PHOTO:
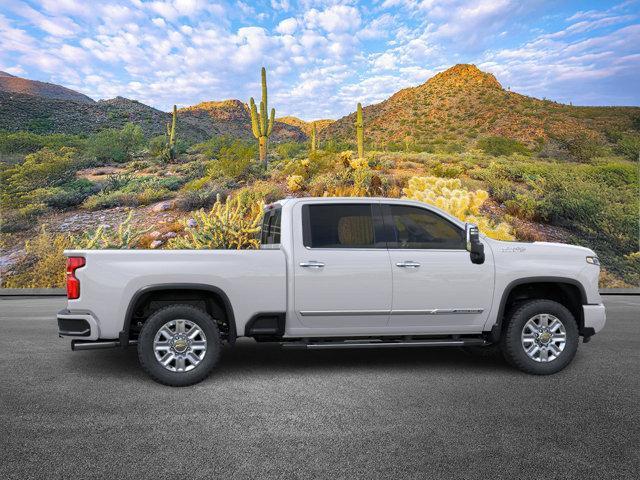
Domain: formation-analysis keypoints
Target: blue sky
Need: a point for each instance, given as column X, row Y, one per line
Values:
column 321, row 56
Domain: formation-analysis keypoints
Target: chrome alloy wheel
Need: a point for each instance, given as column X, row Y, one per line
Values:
column 543, row 337
column 180, row 345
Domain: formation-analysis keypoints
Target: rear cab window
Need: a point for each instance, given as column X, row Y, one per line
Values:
column 342, row 225
column 270, row 229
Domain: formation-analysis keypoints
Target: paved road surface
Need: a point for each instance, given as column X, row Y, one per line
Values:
column 271, row 413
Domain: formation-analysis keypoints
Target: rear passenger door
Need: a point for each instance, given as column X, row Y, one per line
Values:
column 342, row 270
column 436, row 288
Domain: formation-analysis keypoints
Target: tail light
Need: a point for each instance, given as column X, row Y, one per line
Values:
column 73, row 284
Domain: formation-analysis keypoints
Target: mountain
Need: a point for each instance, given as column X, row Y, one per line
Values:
column 232, row 117
column 16, row 85
column 464, row 103
column 305, row 126
column 48, row 108
column 19, row 111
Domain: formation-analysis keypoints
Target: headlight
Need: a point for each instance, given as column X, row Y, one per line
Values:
column 593, row 260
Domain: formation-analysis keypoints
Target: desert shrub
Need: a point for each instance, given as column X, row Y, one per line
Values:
column 228, row 225
column 116, row 145
column 125, row 236
column 27, row 142
column 68, row 195
column 523, row 206
column 289, row 150
column 450, row 196
column 262, row 192
column 43, row 169
column 447, row 170
column 23, row 218
column 581, row 146
column 629, row 146
column 190, row 200
column 44, row 263
column 498, row 146
column 123, row 198
column 295, row 183
column 110, row 200
column 157, row 145
column 211, row 148
column 233, row 159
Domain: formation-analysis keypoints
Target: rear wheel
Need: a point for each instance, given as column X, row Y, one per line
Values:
column 541, row 337
column 179, row 345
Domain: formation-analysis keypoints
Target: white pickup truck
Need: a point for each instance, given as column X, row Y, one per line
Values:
column 338, row 273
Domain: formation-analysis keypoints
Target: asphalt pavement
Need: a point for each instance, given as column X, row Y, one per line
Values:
column 273, row 413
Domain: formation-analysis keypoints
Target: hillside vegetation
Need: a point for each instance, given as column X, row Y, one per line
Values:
column 564, row 174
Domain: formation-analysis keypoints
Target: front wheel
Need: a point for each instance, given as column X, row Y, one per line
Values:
column 179, row 345
column 541, row 337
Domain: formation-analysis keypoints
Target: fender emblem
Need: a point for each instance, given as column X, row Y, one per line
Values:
column 513, row 249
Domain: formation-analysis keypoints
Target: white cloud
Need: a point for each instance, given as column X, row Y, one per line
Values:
column 56, row 26
column 287, row 26
column 159, row 22
column 335, row 19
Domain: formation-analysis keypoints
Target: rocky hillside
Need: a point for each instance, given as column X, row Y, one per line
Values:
column 305, row 126
column 20, row 111
column 16, row 85
column 464, row 103
column 232, row 117
column 46, row 108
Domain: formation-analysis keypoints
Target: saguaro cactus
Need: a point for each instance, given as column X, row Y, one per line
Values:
column 260, row 124
column 360, row 132
column 314, row 137
column 171, row 136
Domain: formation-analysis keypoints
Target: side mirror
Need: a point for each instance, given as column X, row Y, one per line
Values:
column 474, row 245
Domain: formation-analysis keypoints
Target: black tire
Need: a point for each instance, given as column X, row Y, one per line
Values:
column 155, row 322
column 511, row 341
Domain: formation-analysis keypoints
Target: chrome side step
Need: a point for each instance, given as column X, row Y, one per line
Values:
column 386, row 344
column 89, row 345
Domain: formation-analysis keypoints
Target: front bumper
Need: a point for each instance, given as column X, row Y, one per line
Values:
column 594, row 318
column 81, row 325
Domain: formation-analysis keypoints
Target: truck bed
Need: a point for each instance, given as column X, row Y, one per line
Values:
column 254, row 280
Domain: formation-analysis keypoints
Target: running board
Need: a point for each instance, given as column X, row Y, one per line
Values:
column 89, row 345
column 468, row 342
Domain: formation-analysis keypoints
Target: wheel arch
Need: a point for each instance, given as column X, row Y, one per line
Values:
column 567, row 291
column 201, row 291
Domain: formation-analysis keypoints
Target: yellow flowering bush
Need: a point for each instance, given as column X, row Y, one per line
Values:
column 295, row 183
column 449, row 195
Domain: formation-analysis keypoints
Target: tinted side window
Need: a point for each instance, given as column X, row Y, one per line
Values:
column 414, row 227
column 338, row 226
column 270, row 232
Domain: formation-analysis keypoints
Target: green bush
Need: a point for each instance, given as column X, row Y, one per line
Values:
column 234, row 159
column 581, row 146
column 28, row 142
column 498, row 146
column 43, row 169
column 629, row 146
column 121, row 198
column 67, row 195
column 289, row 150
column 116, row 145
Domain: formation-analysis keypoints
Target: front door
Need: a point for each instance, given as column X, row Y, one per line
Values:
column 342, row 271
column 436, row 288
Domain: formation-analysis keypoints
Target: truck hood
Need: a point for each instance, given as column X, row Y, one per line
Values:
column 543, row 248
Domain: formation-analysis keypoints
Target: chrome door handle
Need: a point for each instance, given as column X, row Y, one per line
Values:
column 312, row 264
column 408, row 264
